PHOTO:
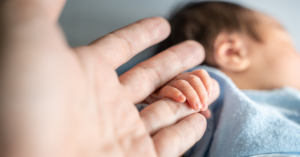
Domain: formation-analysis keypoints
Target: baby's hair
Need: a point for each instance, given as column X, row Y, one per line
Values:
column 204, row 21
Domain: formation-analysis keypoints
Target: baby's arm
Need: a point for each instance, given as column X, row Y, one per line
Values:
column 194, row 87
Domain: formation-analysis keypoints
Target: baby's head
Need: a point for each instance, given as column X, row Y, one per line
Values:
column 251, row 48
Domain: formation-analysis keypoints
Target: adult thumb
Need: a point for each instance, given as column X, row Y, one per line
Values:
column 29, row 9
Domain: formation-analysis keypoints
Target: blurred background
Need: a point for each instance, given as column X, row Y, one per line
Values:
column 83, row 21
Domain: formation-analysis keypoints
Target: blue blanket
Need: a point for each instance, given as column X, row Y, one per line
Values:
column 250, row 122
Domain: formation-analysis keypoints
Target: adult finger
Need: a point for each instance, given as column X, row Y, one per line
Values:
column 176, row 139
column 54, row 8
column 146, row 77
column 121, row 45
column 163, row 113
column 206, row 113
column 166, row 112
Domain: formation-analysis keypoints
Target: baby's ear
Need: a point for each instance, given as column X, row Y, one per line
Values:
column 231, row 52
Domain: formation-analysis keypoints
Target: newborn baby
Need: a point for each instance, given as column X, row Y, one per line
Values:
column 249, row 47
column 253, row 51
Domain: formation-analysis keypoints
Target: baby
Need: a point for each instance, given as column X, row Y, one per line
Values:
column 253, row 59
column 249, row 47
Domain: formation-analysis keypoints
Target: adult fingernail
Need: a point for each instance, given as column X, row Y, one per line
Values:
column 209, row 95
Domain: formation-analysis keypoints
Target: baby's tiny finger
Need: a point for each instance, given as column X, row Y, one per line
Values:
column 198, row 86
column 205, row 78
column 172, row 92
column 189, row 92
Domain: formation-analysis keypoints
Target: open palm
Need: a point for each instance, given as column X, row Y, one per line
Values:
column 59, row 101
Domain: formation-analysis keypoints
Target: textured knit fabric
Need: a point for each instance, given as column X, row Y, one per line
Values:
column 250, row 122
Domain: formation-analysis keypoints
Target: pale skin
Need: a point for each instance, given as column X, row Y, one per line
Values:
column 195, row 88
column 61, row 101
column 69, row 109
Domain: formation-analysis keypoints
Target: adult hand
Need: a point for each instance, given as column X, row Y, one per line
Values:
column 59, row 101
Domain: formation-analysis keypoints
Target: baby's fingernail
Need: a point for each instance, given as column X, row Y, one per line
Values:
column 198, row 106
column 204, row 105
column 209, row 95
column 181, row 97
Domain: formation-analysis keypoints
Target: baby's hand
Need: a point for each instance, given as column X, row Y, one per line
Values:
column 194, row 87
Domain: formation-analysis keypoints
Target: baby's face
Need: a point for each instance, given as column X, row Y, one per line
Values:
column 275, row 59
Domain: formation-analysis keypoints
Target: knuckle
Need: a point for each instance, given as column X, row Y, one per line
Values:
column 121, row 40
column 192, row 98
column 203, row 94
column 181, row 83
column 153, row 74
column 191, row 95
column 193, row 78
column 169, row 90
column 201, row 72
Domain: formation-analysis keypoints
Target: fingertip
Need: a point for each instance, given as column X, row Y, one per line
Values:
column 209, row 94
column 173, row 93
column 195, row 105
column 204, row 101
column 198, row 106
column 205, row 106
column 181, row 98
column 190, row 53
column 158, row 27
